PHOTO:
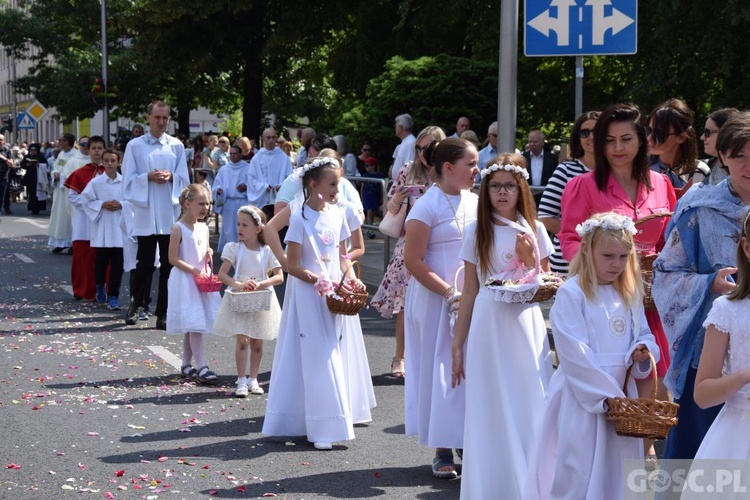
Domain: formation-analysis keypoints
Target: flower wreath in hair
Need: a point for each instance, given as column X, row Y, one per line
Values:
column 508, row 168
column 318, row 162
column 252, row 213
column 609, row 222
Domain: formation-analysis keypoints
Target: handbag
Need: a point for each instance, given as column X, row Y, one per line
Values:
column 210, row 284
column 393, row 225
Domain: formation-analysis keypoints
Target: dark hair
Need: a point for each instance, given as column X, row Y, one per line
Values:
column 322, row 141
column 675, row 114
column 111, row 151
column 734, row 135
column 742, row 289
column 576, row 150
column 97, row 138
column 446, row 151
column 721, row 116
column 315, row 174
column 614, row 114
column 239, row 149
column 69, row 138
column 198, row 143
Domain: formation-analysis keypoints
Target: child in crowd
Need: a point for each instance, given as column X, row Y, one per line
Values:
column 600, row 329
column 103, row 199
column 255, row 268
column 504, row 242
column 310, row 395
column 371, row 193
column 190, row 312
column 82, row 269
column 724, row 369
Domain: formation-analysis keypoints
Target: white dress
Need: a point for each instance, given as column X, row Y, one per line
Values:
column 253, row 264
column 353, row 351
column 728, row 438
column 578, row 455
column 435, row 411
column 309, row 394
column 188, row 309
column 508, row 368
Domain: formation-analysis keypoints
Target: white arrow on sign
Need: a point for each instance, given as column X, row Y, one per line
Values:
column 617, row 21
column 544, row 23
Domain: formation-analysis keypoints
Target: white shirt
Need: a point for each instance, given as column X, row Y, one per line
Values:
column 267, row 168
column 81, row 223
column 537, row 165
column 155, row 206
column 404, row 153
column 106, row 230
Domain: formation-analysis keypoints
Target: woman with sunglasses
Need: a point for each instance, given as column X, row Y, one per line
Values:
column 623, row 183
column 714, row 122
column 582, row 152
column 673, row 146
column 695, row 267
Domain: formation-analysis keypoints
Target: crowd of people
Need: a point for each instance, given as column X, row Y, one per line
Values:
column 477, row 228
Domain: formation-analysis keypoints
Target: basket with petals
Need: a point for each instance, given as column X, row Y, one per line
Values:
column 348, row 304
column 642, row 417
column 250, row 301
column 647, row 265
column 210, row 283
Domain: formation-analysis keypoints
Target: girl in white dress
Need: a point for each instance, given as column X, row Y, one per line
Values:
column 255, row 268
column 724, row 374
column 434, row 228
column 600, row 329
column 507, row 368
column 189, row 312
column 310, row 395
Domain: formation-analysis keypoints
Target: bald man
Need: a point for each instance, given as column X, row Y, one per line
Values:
column 268, row 169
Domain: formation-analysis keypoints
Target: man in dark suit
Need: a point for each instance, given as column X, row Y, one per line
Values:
column 540, row 163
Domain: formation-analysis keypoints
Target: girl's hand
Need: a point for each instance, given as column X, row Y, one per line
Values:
column 525, row 248
column 457, row 372
column 204, row 275
column 720, row 284
column 640, row 354
column 250, row 285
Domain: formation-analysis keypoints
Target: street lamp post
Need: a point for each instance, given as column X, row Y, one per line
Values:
column 105, row 84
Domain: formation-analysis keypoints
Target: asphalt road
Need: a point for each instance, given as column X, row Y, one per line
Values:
column 90, row 405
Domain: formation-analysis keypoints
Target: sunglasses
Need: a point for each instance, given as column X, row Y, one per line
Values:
column 585, row 132
column 366, row 150
column 707, row 132
column 650, row 132
column 83, row 144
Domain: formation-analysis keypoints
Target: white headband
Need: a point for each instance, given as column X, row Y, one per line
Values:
column 609, row 222
column 318, row 162
column 252, row 213
column 508, row 168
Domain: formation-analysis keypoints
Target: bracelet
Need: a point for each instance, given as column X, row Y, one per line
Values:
column 449, row 292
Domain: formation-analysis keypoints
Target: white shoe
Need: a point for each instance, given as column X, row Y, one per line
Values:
column 241, row 391
column 255, row 388
column 320, row 445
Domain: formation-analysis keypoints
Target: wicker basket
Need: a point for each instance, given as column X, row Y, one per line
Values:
column 247, row 302
column 546, row 290
column 642, row 417
column 349, row 304
column 647, row 265
column 210, row 284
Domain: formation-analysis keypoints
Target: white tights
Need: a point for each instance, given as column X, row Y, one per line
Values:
column 192, row 346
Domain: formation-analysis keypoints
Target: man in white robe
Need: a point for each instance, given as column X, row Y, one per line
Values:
column 154, row 172
column 230, row 186
column 268, row 169
column 60, row 230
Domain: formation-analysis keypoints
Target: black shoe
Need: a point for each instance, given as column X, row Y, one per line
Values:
column 161, row 323
column 131, row 318
column 8, row 212
column 57, row 250
column 77, row 297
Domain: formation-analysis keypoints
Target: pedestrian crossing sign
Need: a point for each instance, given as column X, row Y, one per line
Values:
column 25, row 122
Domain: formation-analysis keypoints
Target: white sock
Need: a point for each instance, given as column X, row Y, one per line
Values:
column 241, row 380
column 251, row 381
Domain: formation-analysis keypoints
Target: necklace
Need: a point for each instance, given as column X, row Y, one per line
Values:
column 455, row 212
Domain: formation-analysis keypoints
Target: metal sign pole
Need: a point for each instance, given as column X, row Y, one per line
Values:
column 507, row 76
column 579, row 87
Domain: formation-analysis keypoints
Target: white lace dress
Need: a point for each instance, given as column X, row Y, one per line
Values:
column 188, row 309
column 728, row 438
column 249, row 264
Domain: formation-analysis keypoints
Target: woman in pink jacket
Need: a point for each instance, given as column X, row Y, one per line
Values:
column 623, row 183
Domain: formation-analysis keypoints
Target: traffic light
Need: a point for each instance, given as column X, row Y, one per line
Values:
column 7, row 123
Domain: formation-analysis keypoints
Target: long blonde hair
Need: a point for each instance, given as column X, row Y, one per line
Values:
column 628, row 284
column 189, row 194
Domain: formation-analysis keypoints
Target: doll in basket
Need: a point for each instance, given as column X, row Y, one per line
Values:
column 600, row 329
column 256, row 269
column 500, row 414
column 190, row 312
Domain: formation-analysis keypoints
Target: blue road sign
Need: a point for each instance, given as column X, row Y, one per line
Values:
column 580, row 27
column 26, row 122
